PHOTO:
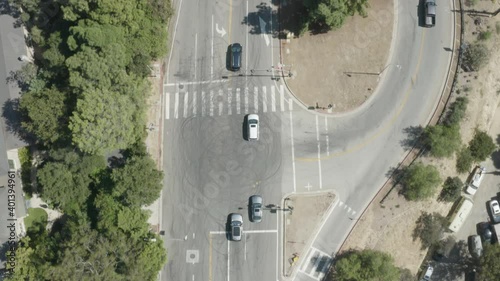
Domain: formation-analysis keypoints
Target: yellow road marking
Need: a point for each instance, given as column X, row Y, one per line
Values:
column 384, row 129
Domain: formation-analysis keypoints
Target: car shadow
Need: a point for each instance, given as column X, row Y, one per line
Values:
column 244, row 126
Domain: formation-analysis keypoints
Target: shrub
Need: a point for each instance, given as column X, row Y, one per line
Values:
column 452, row 188
column 476, row 56
column 457, row 111
column 25, row 159
column 484, row 35
column 429, row 228
column 442, row 140
column 464, row 160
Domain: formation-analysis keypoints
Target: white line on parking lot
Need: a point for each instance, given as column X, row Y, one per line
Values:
column 228, row 260
column 261, row 231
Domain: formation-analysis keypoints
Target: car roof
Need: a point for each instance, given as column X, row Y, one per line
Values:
column 256, row 199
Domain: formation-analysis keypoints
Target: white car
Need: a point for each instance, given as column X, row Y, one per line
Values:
column 253, row 127
column 428, row 274
column 495, row 208
column 236, row 226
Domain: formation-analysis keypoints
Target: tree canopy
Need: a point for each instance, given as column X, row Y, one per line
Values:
column 442, row 140
column 366, row 265
column 420, row 181
column 481, row 146
column 490, row 267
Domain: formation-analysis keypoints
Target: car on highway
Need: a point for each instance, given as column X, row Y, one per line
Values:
column 236, row 225
column 495, row 210
column 253, row 127
column 256, row 208
column 236, row 50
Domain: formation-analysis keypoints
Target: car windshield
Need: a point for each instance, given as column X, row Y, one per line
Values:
column 236, row 49
column 253, row 121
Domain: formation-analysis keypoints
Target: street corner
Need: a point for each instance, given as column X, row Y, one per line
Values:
column 304, row 219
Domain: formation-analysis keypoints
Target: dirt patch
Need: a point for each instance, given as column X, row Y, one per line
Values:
column 308, row 212
column 389, row 227
column 340, row 69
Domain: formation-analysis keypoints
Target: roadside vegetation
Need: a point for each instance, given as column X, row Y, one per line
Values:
column 420, row 181
column 489, row 265
column 319, row 16
column 430, row 229
column 84, row 99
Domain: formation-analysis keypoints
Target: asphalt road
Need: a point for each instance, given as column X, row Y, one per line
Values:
column 211, row 171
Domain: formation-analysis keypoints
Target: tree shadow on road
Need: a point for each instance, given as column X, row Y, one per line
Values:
column 413, row 137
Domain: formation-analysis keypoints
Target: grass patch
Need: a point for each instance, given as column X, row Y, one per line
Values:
column 25, row 159
column 484, row 35
column 37, row 218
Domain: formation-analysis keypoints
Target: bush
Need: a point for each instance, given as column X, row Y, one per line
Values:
column 25, row 159
column 457, row 111
column 452, row 189
column 476, row 56
column 420, row 181
column 429, row 228
column 481, row 146
column 441, row 140
column 464, row 160
column 484, row 35
column 366, row 265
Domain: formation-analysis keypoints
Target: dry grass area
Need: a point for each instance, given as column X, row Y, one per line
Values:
column 389, row 228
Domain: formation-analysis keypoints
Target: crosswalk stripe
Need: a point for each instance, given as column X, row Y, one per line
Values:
column 176, row 106
column 238, row 107
column 282, row 98
column 167, row 105
column 256, row 99
column 290, row 104
column 220, row 98
column 273, row 99
column 264, row 99
column 246, row 100
column 203, row 103
column 211, row 103
column 194, row 103
column 186, row 105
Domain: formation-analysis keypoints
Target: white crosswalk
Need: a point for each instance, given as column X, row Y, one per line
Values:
column 316, row 264
column 231, row 101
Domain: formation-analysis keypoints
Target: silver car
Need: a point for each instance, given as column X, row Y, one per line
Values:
column 236, row 226
column 256, row 208
column 253, row 127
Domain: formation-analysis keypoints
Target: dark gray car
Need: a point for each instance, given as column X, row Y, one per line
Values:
column 236, row 51
column 256, row 208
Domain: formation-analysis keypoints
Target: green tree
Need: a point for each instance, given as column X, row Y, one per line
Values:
column 429, row 228
column 366, row 265
column 45, row 114
column 420, row 181
column 464, row 160
column 452, row 189
column 103, row 122
column 24, row 265
column 490, row 267
column 442, row 140
column 481, row 146
column 138, row 182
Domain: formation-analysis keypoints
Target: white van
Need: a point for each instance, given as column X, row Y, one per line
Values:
column 476, row 180
column 253, row 127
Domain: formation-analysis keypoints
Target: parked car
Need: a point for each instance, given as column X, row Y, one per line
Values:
column 495, row 210
column 256, row 208
column 236, row 225
column 477, row 178
column 428, row 274
column 484, row 230
column 475, row 246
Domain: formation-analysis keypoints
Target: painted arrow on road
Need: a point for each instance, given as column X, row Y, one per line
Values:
column 221, row 31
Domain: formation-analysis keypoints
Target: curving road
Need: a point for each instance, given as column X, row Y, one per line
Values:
column 211, row 171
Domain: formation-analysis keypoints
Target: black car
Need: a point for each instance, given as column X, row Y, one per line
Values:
column 235, row 56
column 484, row 230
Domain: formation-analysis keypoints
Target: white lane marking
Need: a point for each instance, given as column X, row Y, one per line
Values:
column 245, row 246
column 194, row 235
column 173, row 40
column 246, row 100
column 282, row 98
column 203, row 103
column 327, row 138
column 319, row 153
column 194, row 103
column 264, row 99
column 221, row 105
column 167, row 105
column 195, row 52
column 290, row 104
column 246, row 43
column 228, row 260
column 273, row 99
column 256, row 99
column 238, row 106
column 195, row 82
column 261, row 231
column 176, row 105
column 212, row 52
column 186, row 105
column 218, row 232
column 211, row 103
column 293, row 153
column 229, row 100
column 308, row 258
